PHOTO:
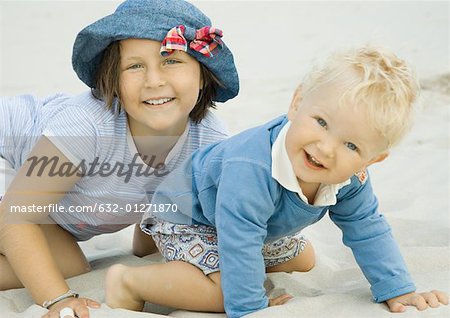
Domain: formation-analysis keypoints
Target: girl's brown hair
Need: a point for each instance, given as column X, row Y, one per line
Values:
column 107, row 83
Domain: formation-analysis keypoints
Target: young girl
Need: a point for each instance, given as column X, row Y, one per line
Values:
column 85, row 165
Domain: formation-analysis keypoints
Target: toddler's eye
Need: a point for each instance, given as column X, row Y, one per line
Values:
column 351, row 146
column 322, row 122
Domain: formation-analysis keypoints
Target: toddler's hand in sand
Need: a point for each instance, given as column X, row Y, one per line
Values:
column 420, row 300
column 79, row 306
column 280, row 300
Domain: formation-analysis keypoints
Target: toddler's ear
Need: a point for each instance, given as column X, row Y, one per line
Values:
column 379, row 158
column 296, row 99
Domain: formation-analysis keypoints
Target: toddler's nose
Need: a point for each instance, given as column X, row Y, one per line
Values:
column 327, row 147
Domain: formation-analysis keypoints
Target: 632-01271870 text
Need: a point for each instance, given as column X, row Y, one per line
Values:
column 140, row 208
column 97, row 207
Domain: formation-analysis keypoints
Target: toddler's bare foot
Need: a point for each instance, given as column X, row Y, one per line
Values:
column 118, row 292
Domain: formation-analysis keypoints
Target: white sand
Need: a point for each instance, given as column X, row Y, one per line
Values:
column 274, row 43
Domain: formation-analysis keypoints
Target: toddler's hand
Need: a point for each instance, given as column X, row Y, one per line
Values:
column 420, row 300
column 280, row 300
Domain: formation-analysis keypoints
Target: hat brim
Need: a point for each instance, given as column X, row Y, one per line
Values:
column 92, row 41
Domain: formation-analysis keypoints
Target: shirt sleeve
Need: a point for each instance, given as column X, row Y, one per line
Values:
column 243, row 206
column 369, row 236
column 73, row 131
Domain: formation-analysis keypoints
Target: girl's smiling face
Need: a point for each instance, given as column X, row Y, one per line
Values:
column 328, row 142
column 157, row 92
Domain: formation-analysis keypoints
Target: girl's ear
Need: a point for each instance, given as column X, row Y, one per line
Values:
column 296, row 99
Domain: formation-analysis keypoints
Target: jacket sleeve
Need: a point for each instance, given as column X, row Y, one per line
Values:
column 369, row 236
column 243, row 207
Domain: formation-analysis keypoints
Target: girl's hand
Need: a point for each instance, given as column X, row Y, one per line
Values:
column 280, row 300
column 420, row 300
column 79, row 306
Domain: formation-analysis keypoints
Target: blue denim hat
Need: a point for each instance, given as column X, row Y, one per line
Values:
column 151, row 19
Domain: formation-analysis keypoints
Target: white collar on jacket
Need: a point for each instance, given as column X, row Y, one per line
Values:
column 283, row 172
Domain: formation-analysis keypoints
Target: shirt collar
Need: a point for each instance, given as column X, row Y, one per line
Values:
column 283, row 172
column 176, row 149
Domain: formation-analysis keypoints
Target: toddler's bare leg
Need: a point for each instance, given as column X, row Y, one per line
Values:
column 174, row 284
column 303, row 262
column 66, row 251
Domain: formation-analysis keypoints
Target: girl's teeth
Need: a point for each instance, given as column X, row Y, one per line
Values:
column 158, row 101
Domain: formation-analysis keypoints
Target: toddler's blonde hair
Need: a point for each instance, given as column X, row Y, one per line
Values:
column 385, row 86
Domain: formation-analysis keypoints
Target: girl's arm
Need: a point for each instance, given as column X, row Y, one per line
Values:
column 22, row 240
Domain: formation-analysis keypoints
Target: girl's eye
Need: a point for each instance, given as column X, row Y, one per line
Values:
column 170, row 62
column 351, row 146
column 322, row 122
column 135, row 66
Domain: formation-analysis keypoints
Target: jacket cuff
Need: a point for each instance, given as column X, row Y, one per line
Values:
column 240, row 313
column 393, row 287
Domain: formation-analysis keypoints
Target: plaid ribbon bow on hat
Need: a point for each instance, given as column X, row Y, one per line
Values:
column 206, row 40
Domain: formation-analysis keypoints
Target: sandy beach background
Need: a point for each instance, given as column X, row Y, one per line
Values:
column 274, row 44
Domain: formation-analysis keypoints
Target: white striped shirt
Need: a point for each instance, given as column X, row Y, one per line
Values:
column 85, row 131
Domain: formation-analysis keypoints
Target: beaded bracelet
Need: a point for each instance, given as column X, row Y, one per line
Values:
column 68, row 294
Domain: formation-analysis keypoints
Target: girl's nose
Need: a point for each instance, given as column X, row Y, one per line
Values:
column 154, row 78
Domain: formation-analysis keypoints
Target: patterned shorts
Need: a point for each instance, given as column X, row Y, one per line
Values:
column 197, row 245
